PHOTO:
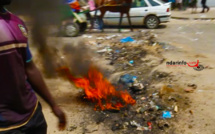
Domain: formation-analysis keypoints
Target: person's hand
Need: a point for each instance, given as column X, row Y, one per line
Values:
column 61, row 117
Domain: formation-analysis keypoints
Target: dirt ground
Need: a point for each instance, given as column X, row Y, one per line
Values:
column 201, row 121
column 197, row 119
column 194, row 40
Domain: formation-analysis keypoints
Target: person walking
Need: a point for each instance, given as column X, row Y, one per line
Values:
column 193, row 5
column 88, row 6
column 179, row 4
column 20, row 110
column 185, row 4
column 204, row 6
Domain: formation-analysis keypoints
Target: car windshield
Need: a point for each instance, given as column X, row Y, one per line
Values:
column 154, row 3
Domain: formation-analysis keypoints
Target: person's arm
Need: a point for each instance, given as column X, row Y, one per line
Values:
column 39, row 86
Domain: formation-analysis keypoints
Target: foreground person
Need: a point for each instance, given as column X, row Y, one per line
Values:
column 20, row 111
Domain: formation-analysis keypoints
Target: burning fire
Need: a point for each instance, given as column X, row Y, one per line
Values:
column 99, row 90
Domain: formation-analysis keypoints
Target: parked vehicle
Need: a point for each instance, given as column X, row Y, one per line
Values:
column 143, row 12
column 73, row 23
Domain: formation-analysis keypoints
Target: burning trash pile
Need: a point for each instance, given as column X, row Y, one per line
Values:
column 131, row 102
column 98, row 89
column 152, row 109
column 153, row 112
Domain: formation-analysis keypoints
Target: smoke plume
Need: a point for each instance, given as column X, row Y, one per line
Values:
column 42, row 14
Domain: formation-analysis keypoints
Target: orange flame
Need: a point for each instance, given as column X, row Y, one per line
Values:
column 99, row 90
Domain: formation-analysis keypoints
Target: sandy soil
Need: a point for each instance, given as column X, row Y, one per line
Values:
column 202, row 119
column 195, row 41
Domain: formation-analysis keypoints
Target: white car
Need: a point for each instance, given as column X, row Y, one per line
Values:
column 143, row 12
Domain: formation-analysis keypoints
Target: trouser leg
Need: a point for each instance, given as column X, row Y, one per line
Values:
column 203, row 5
column 36, row 125
column 91, row 19
column 12, row 132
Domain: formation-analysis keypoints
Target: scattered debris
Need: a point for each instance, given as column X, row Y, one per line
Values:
column 131, row 62
column 189, row 90
column 167, row 114
column 134, row 124
column 133, row 59
column 107, row 49
column 127, row 79
column 143, row 98
column 72, row 128
column 149, row 125
column 127, row 39
column 191, row 112
column 142, row 128
column 194, row 86
column 176, row 108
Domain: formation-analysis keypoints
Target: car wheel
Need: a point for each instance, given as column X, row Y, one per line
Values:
column 71, row 30
column 152, row 22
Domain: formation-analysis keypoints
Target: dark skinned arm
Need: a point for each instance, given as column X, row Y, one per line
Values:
column 39, row 86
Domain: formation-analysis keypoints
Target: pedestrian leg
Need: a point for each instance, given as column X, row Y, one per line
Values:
column 203, row 6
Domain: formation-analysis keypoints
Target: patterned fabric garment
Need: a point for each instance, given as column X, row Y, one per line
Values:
column 17, row 99
column 74, row 4
column 91, row 3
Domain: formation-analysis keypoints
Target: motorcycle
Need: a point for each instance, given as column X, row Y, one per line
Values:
column 73, row 23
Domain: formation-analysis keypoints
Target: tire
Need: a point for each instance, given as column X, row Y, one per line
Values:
column 71, row 30
column 83, row 27
column 98, row 23
column 152, row 22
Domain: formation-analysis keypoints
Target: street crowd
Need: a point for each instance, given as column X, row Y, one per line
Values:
column 184, row 4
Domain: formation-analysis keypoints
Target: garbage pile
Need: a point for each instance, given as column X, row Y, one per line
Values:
column 126, row 53
column 153, row 112
column 134, row 57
